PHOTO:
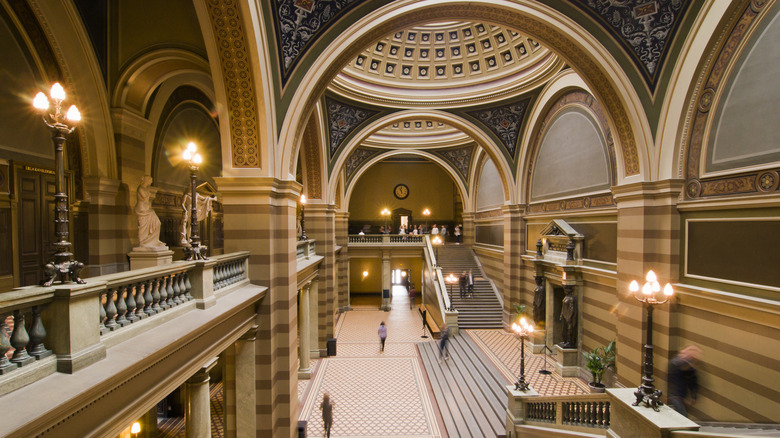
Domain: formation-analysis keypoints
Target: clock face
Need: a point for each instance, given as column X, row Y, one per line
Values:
column 401, row 191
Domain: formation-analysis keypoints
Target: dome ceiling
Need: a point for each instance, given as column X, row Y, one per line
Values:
column 446, row 64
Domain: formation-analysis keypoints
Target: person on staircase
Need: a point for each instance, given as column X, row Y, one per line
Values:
column 471, row 283
column 463, row 284
column 444, row 337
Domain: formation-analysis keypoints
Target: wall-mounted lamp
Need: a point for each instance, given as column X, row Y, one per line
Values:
column 365, row 274
column 303, row 228
column 135, row 429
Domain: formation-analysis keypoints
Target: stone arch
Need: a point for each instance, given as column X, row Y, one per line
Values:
column 479, row 136
column 587, row 55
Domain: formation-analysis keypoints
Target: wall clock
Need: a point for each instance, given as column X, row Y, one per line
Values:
column 401, row 191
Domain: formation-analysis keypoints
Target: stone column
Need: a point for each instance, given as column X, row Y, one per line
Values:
column 304, row 367
column 260, row 214
column 320, row 226
column 108, row 222
column 469, row 230
column 648, row 238
column 342, row 260
column 387, row 281
column 239, row 386
column 515, row 289
column 197, row 406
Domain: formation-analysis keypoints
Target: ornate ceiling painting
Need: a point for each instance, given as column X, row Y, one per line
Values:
column 505, row 122
column 298, row 24
column 356, row 160
column 644, row 28
column 343, row 119
column 459, row 159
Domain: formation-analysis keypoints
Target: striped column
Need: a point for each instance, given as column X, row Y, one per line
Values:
column 648, row 237
column 239, row 386
column 109, row 235
column 342, row 260
column 514, row 244
column 259, row 216
column 321, row 227
column 468, row 230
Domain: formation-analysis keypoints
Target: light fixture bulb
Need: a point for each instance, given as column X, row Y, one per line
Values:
column 187, row 155
column 656, row 286
column 192, row 147
column 633, row 287
column 365, row 273
column 135, row 428
column 197, row 159
column 403, row 273
column 668, row 291
column 40, row 102
column 57, row 92
column 647, row 290
column 651, row 277
column 303, row 199
column 73, row 114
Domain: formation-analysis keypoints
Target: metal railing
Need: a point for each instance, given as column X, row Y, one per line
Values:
column 387, row 239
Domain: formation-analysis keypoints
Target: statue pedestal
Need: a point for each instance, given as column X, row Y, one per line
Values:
column 142, row 257
column 538, row 341
column 567, row 361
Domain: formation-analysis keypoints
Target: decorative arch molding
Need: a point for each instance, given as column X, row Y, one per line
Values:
column 479, row 136
column 716, row 76
column 377, row 158
column 567, row 100
column 70, row 43
column 139, row 81
column 312, row 157
column 593, row 62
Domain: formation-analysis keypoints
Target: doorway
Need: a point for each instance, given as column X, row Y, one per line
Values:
column 400, row 277
column 35, row 195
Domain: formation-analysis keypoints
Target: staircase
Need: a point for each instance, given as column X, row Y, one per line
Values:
column 468, row 389
column 741, row 429
column 483, row 310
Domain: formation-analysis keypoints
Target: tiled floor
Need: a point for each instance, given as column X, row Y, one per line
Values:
column 385, row 394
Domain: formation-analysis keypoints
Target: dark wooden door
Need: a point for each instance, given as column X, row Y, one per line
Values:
column 35, row 195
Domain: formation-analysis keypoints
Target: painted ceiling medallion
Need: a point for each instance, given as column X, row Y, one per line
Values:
column 343, row 119
column 505, row 122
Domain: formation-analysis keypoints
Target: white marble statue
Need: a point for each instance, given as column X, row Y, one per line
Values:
column 148, row 222
column 202, row 207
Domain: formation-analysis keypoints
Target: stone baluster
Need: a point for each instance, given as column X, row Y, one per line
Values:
column 156, row 296
column 37, row 335
column 132, row 292
column 183, row 287
column 231, row 272
column 121, row 307
column 111, row 311
column 5, row 344
column 164, row 293
column 148, row 297
column 101, row 297
column 176, row 290
column 217, row 274
column 188, row 286
column 169, row 289
column 140, row 300
column 19, row 340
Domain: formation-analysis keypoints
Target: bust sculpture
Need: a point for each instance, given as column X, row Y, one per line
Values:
column 148, row 222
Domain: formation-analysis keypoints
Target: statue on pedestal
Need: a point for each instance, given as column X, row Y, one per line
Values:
column 202, row 207
column 569, row 318
column 148, row 222
column 539, row 301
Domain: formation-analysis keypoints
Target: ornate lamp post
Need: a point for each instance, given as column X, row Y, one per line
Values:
column 193, row 159
column 436, row 241
column 385, row 214
column 426, row 213
column 303, row 227
column 450, row 279
column 63, row 265
column 650, row 295
column 523, row 329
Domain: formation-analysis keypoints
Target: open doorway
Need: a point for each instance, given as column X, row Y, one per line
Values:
column 401, row 277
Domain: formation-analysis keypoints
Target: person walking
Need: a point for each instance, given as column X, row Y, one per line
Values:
column 382, row 336
column 471, row 283
column 683, row 381
column 434, row 231
column 327, row 413
column 457, row 233
column 412, row 293
column 463, row 284
column 444, row 337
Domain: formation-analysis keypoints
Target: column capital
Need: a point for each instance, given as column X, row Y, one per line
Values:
column 642, row 194
column 202, row 375
column 250, row 334
column 513, row 210
column 101, row 190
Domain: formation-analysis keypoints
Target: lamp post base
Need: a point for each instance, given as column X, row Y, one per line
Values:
column 62, row 271
column 651, row 399
column 195, row 252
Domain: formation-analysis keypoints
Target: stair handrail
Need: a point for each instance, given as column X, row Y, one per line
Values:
column 490, row 280
column 438, row 281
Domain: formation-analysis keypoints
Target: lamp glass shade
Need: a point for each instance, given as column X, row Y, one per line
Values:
column 135, row 428
column 197, row 159
column 192, row 147
column 633, row 287
column 651, row 277
column 57, row 92
column 40, row 102
column 73, row 114
column 668, row 291
column 647, row 290
column 187, row 155
column 303, row 199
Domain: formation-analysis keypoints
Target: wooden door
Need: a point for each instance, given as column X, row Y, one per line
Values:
column 35, row 206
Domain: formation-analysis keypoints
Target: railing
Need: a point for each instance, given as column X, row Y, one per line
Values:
column 305, row 249
column 387, row 239
column 580, row 412
column 112, row 302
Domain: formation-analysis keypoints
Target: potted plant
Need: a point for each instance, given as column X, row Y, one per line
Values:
column 597, row 362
